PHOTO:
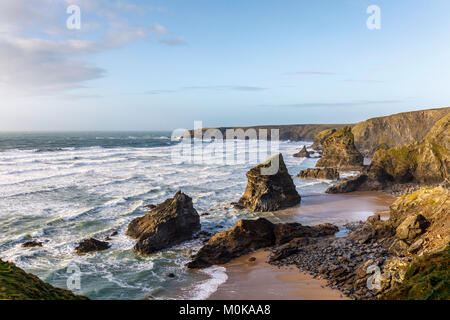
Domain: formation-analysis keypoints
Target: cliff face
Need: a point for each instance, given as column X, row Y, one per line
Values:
column 395, row 130
column 295, row 132
column 16, row 284
column 339, row 151
column 427, row 162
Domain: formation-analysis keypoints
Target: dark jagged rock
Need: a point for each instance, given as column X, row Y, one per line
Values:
column 302, row 153
column 249, row 235
column 319, row 173
column 339, row 151
column 353, row 184
column 91, row 245
column 16, row 284
column 31, row 244
column 170, row 223
column 272, row 191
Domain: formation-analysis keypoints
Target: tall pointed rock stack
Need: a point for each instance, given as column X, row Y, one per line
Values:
column 270, row 187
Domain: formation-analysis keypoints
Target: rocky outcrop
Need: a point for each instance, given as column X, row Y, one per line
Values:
column 169, row 223
column 427, row 162
column 16, row 284
column 395, row 130
column 249, row 235
column 421, row 163
column 302, row 153
column 418, row 226
column 321, row 137
column 353, row 184
column 339, row 151
column 319, row 173
column 91, row 245
column 270, row 187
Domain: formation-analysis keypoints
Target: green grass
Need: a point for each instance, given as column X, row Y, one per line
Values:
column 426, row 279
column 16, row 284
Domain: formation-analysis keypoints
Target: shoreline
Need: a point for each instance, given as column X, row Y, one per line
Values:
column 261, row 280
column 258, row 280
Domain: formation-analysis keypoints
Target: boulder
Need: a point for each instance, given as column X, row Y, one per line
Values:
column 319, row 173
column 288, row 249
column 249, row 235
column 169, row 223
column 31, row 244
column 303, row 153
column 270, row 187
column 91, row 245
column 358, row 183
column 339, row 151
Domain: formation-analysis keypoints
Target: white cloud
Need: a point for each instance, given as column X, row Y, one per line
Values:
column 39, row 55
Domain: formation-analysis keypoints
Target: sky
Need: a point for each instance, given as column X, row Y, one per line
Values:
column 161, row 65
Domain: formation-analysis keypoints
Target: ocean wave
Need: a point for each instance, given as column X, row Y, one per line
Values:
column 205, row 289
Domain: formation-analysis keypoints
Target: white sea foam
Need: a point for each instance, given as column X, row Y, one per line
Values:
column 206, row 288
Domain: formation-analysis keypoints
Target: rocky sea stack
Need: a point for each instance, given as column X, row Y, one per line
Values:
column 270, row 187
column 319, row 173
column 339, row 151
column 321, row 137
column 169, row 223
column 302, row 153
column 249, row 235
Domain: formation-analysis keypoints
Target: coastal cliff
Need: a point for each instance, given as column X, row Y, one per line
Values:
column 395, row 130
column 16, row 284
column 295, row 132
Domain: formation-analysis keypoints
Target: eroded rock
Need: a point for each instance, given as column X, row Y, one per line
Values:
column 169, row 223
column 270, row 187
column 91, row 245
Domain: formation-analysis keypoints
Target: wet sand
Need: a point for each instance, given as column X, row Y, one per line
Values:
column 259, row 280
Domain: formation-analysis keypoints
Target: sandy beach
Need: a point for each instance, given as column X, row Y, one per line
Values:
column 257, row 279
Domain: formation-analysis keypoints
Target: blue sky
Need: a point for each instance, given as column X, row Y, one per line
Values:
column 154, row 65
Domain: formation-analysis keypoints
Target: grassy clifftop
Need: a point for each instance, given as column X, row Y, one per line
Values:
column 16, row 284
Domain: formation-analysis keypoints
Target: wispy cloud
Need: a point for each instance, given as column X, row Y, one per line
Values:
column 51, row 58
column 333, row 104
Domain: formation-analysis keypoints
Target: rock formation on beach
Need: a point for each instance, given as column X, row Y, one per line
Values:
column 419, row 226
column 16, row 284
column 169, row 223
column 422, row 163
column 272, row 191
column 303, row 153
column 319, row 173
column 339, row 151
column 91, row 245
column 249, row 235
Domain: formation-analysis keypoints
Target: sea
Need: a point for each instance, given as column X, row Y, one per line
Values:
column 61, row 188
